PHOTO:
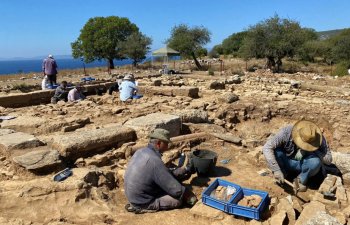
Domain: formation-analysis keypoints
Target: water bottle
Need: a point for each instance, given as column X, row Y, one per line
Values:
column 182, row 159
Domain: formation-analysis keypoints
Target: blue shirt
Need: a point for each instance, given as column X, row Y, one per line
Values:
column 147, row 178
column 127, row 89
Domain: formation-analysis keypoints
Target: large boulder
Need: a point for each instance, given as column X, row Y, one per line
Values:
column 39, row 160
column 89, row 142
column 145, row 124
column 18, row 140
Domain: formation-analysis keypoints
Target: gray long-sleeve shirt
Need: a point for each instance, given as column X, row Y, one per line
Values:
column 283, row 139
column 147, row 178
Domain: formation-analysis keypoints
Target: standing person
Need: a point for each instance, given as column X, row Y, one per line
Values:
column 61, row 93
column 49, row 68
column 128, row 88
column 76, row 94
column 149, row 185
column 301, row 149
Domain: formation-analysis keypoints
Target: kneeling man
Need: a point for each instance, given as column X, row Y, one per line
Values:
column 300, row 149
column 149, row 184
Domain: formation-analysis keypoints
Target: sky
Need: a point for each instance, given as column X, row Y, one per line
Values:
column 30, row 28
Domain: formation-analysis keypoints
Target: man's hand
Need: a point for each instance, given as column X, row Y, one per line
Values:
column 189, row 198
column 279, row 177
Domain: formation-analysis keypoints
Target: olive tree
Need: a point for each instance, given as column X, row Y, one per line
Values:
column 274, row 39
column 136, row 47
column 188, row 41
column 101, row 37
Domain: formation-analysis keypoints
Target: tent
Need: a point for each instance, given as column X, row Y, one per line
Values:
column 165, row 53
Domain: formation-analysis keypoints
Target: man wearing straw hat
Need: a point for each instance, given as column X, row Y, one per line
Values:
column 149, row 185
column 128, row 88
column 299, row 149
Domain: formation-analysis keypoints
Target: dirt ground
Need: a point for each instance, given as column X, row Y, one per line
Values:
column 266, row 102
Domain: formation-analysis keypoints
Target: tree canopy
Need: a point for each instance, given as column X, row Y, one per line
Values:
column 101, row 38
column 274, row 39
column 136, row 47
column 232, row 44
column 189, row 41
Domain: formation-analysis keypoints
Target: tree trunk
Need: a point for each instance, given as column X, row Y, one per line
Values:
column 199, row 66
column 279, row 65
column 270, row 63
column 110, row 64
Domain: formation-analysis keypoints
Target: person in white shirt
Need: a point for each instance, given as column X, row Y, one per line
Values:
column 76, row 94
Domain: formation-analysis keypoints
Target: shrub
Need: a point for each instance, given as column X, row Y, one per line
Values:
column 341, row 68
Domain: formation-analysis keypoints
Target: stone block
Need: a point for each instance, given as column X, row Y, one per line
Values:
column 279, row 218
column 321, row 217
column 145, row 124
column 89, row 142
column 6, row 131
column 309, row 211
column 192, row 116
column 199, row 209
column 23, row 123
column 39, row 160
column 18, row 141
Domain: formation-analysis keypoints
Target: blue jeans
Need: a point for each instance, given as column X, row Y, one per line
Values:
column 309, row 166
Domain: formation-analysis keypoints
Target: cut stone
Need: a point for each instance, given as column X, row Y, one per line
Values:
column 89, row 142
column 18, row 140
column 39, row 160
column 309, row 211
column 145, row 124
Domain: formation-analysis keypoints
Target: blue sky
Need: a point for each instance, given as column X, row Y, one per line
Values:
column 31, row 28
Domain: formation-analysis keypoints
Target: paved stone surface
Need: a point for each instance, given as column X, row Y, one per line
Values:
column 145, row 124
column 39, row 160
column 82, row 143
column 18, row 140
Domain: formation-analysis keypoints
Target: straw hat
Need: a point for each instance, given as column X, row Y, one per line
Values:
column 307, row 135
column 160, row 134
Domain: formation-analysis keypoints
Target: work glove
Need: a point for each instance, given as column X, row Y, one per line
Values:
column 300, row 154
column 279, row 177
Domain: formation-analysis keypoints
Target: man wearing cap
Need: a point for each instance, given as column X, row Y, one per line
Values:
column 49, row 68
column 76, row 94
column 127, row 88
column 149, row 185
column 300, row 149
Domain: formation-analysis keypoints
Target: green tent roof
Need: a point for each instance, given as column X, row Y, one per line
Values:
column 166, row 51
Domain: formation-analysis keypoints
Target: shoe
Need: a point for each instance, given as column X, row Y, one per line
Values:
column 300, row 187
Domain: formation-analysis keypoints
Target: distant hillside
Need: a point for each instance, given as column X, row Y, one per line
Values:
column 329, row 33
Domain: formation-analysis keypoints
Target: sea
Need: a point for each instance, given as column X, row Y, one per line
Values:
column 34, row 65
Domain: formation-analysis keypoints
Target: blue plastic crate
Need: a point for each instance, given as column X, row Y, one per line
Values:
column 216, row 203
column 253, row 213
